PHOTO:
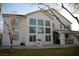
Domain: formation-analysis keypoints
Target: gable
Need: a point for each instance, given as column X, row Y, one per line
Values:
column 39, row 15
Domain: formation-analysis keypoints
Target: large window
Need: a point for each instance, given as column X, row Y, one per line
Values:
column 47, row 23
column 32, row 29
column 40, row 22
column 48, row 37
column 47, row 30
column 32, row 38
column 40, row 30
column 15, row 36
column 32, row 21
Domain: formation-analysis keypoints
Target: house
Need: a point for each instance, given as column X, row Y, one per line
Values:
column 37, row 29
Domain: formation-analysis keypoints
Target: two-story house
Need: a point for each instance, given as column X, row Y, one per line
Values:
column 37, row 29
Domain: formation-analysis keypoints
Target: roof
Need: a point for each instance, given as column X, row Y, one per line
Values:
column 76, row 32
column 5, row 15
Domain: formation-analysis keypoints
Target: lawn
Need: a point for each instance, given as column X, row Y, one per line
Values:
column 74, row 51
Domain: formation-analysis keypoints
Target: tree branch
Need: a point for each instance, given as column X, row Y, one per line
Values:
column 70, row 13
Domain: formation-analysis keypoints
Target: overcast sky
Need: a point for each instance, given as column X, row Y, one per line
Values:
column 26, row 8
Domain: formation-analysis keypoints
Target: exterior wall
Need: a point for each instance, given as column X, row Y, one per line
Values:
column 5, row 39
column 19, row 28
column 38, row 15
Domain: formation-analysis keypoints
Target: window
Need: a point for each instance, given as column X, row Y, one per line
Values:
column 32, row 21
column 40, row 30
column 32, row 29
column 15, row 22
column 15, row 36
column 47, row 30
column 48, row 37
column 68, row 26
column 47, row 23
column 32, row 38
column 61, row 26
column 53, row 25
column 40, row 22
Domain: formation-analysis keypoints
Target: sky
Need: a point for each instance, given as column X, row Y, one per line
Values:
column 27, row 8
column 19, row 8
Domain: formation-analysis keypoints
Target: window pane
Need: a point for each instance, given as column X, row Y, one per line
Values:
column 32, row 29
column 32, row 38
column 61, row 26
column 15, row 36
column 48, row 38
column 47, row 23
column 53, row 25
column 33, row 21
column 15, row 22
column 47, row 30
column 40, row 22
column 68, row 27
column 40, row 30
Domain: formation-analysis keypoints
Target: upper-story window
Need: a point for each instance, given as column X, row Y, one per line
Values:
column 40, row 22
column 15, row 22
column 61, row 26
column 47, row 23
column 53, row 25
column 32, row 29
column 32, row 21
column 68, row 26
column 40, row 30
column 47, row 30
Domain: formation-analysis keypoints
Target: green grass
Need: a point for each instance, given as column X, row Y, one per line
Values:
column 41, row 52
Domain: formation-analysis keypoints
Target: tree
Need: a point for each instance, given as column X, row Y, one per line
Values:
column 11, row 27
column 74, row 7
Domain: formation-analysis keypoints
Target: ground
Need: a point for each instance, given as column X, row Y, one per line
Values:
column 73, row 51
